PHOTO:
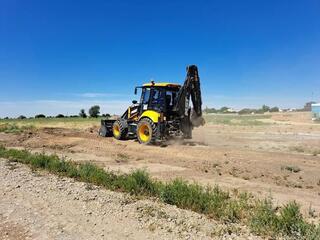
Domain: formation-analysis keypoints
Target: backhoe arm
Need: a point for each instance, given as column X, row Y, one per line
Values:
column 191, row 87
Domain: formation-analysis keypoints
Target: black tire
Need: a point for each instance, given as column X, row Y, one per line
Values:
column 146, row 131
column 120, row 129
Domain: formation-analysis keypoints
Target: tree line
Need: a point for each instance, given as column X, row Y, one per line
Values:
column 263, row 109
column 93, row 112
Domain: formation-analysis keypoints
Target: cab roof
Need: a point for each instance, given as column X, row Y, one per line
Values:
column 163, row 84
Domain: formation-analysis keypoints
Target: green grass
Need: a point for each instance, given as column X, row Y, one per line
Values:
column 237, row 120
column 260, row 215
column 316, row 152
column 294, row 169
column 14, row 128
column 77, row 123
column 306, row 150
column 299, row 149
column 288, row 221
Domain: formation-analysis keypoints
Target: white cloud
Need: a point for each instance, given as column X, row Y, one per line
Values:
column 97, row 95
column 54, row 107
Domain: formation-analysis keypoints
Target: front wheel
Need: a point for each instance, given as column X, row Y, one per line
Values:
column 146, row 131
column 119, row 130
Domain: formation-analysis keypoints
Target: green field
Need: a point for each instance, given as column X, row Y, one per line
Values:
column 13, row 125
column 237, row 120
column 77, row 123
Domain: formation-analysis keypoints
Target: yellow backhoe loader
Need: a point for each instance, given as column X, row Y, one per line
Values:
column 163, row 112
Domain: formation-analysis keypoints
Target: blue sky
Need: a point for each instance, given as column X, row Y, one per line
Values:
column 59, row 56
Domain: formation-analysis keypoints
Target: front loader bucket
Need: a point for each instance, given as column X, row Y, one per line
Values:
column 106, row 128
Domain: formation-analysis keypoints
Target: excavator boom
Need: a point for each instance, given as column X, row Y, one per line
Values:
column 191, row 87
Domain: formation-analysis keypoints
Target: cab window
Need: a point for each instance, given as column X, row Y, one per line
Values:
column 145, row 96
column 170, row 99
column 157, row 99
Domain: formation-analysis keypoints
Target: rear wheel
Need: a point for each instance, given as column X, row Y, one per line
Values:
column 146, row 131
column 119, row 130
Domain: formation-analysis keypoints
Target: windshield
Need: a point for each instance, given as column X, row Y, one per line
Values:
column 145, row 96
column 170, row 98
column 157, row 99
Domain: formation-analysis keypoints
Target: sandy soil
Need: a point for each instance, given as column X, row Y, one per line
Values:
column 255, row 158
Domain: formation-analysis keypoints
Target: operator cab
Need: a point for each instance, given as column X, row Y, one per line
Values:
column 159, row 97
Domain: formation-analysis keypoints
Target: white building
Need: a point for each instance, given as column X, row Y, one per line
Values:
column 315, row 109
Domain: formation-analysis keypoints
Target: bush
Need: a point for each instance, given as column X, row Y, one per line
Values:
column 210, row 110
column 195, row 197
column 14, row 128
column 82, row 113
column 259, row 111
column 291, row 222
column 9, row 128
column 138, row 183
column 223, row 110
column 60, row 116
column 90, row 173
column 40, row 116
column 262, row 110
column 274, row 109
column 94, row 111
column 246, row 111
column 264, row 219
column 265, row 108
column 294, row 169
column 21, row 117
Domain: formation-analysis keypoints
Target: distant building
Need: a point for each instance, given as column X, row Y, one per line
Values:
column 315, row 108
column 307, row 106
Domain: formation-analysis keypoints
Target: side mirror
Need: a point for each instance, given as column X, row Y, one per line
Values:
column 134, row 101
column 135, row 91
